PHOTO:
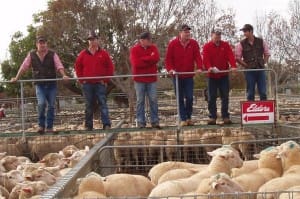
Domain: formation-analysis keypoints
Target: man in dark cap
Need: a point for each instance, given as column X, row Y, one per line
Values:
column 253, row 53
column 144, row 57
column 217, row 57
column 183, row 55
column 94, row 62
column 44, row 63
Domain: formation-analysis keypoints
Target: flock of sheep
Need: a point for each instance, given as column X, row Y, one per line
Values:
column 20, row 178
column 276, row 172
column 126, row 154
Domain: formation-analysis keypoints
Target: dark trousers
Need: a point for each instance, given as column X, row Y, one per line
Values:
column 221, row 84
column 185, row 86
column 253, row 78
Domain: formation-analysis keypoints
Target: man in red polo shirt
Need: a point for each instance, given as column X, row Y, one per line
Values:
column 144, row 57
column 94, row 62
column 183, row 55
column 217, row 56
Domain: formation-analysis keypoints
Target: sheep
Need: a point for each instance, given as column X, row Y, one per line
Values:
column 234, row 135
column 77, row 156
column 39, row 174
column 10, row 179
column 41, row 146
column 9, row 162
column 211, row 137
column 248, row 166
column 158, row 170
column 269, row 167
column 4, row 192
column 122, row 155
column 289, row 153
column 53, row 159
column 126, row 185
column 31, row 189
column 156, row 153
column 69, row 150
column 175, row 174
column 224, row 159
column 138, row 139
column 91, row 187
column 292, row 192
column 190, row 138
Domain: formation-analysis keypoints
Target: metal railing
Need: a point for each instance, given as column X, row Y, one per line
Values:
column 174, row 75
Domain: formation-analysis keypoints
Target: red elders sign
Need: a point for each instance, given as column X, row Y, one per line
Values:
column 258, row 112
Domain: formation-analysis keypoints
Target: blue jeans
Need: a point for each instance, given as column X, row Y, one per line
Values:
column 149, row 90
column 253, row 78
column 221, row 84
column 93, row 92
column 186, row 92
column 46, row 94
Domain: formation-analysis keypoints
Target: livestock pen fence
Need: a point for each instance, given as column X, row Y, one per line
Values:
column 22, row 111
column 102, row 157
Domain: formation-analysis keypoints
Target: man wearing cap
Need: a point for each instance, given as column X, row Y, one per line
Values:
column 183, row 55
column 44, row 63
column 253, row 53
column 217, row 57
column 144, row 57
column 94, row 62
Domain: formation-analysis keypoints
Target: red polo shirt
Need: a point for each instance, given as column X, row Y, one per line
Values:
column 143, row 61
column 94, row 65
column 183, row 58
column 218, row 56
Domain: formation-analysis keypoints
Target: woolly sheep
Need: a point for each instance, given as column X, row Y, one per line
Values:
column 32, row 189
column 158, row 170
column 289, row 153
column 224, row 159
column 122, row 155
column 10, row 179
column 269, row 167
column 126, row 185
column 91, row 187
column 175, row 174
column 248, row 166
column 292, row 192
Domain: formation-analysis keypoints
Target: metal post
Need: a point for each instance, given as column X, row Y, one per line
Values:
column 22, row 111
column 177, row 101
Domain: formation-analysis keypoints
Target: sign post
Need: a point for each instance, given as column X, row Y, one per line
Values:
column 258, row 112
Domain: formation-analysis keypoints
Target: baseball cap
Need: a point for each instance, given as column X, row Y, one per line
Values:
column 145, row 35
column 216, row 31
column 184, row 27
column 41, row 38
column 247, row 27
column 92, row 35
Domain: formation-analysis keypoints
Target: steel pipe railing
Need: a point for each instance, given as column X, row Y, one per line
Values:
column 175, row 75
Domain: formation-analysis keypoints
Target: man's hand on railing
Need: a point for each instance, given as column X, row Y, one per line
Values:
column 172, row 72
column 234, row 71
column 14, row 79
column 66, row 78
column 198, row 71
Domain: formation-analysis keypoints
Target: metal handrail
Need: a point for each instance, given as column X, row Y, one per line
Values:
column 174, row 75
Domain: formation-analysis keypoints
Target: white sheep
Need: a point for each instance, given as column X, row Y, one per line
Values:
column 91, row 187
column 126, row 185
column 289, row 153
column 175, row 174
column 292, row 192
column 122, row 155
column 10, row 179
column 248, row 166
column 33, row 188
column 269, row 167
column 224, row 159
column 230, row 135
column 158, row 170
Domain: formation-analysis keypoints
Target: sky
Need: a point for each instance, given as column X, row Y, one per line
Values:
column 16, row 15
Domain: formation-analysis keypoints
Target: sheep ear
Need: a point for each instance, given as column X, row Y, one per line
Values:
column 27, row 190
column 257, row 156
column 42, row 161
column 214, row 185
column 212, row 154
